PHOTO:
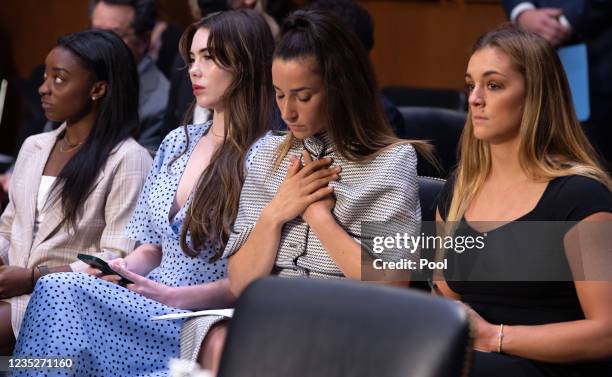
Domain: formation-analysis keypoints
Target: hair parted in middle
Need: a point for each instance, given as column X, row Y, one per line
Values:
column 241, row 42
column 357, row 124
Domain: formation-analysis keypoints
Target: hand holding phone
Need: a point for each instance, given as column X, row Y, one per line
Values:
column 101, row 265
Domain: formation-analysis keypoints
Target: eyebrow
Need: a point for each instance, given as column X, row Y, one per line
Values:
column 201, row 51
column 294, row 90
column 59, row 69
column 487, row 73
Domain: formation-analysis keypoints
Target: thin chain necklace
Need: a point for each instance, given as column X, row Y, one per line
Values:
column 71, row 146
column 213, row 132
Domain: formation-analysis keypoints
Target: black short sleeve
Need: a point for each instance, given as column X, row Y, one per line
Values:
column 577, row 197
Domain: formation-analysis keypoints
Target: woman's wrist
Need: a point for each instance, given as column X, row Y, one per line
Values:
column 170, row 297
column 34, row 276
column 493, row 337
column 269, row 217
column 322, row 218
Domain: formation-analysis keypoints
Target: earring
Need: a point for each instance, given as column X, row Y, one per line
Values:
column 93, row 98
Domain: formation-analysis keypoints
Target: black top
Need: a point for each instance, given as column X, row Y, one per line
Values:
column 570, row 199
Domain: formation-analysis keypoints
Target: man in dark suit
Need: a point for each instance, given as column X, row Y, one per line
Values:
column 133, row 21
column 578, row 21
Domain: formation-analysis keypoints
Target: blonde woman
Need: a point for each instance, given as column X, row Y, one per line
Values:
column 523, row 158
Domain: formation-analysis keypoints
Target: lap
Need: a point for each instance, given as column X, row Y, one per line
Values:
column 193, row 333
column 500, row 365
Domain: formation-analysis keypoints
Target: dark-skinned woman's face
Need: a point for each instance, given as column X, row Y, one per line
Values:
column 67, row 87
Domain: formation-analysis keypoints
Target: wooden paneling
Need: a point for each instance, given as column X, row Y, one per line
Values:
column 418, row 43
column 33, row 27
column 427, row 43
column 175, row 12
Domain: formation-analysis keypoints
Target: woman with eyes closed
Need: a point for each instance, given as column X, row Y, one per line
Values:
column 73, row 189
column 308, row 191
column 525, row 158
column 338, row 165
column 182, row 220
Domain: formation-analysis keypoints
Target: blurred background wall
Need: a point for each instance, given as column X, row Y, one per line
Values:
column 417, row 43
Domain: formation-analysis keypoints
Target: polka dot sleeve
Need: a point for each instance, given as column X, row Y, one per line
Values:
column 142, row 227
column 248, row 161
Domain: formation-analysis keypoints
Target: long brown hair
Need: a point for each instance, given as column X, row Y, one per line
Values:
column 552, row 143
column 241, row 42
column 357, row 124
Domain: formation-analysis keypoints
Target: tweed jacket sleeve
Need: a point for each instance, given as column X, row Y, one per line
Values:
column 382, row 191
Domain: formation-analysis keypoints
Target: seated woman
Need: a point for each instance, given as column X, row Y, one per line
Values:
column 182, row 220
column 73, row 189
column 304, row 200
column 524, row 157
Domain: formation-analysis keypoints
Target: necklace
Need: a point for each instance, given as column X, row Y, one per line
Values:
column 213, row 132
column 71, row 147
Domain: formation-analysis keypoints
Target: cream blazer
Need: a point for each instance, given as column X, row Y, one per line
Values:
column 99, row 229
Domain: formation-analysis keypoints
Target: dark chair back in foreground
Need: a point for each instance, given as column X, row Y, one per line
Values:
column 306, row 327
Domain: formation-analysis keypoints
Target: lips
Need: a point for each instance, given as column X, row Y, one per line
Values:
column 46, row 105
column 478, row 118
column 197, row 89
column 296, row 127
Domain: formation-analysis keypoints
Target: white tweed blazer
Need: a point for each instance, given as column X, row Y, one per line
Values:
column 384, row 189
column 99, row 228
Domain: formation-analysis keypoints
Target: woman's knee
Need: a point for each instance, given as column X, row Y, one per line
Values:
column 60, row 281
column 212, row 346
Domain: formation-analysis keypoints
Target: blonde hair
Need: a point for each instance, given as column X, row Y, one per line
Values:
column 552, row 143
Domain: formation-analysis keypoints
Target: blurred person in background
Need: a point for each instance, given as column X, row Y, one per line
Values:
column 133, row 21
column 567, row 22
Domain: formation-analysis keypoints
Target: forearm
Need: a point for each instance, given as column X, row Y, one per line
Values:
column 214, row 295
column 340, row 246
column 144, row 259
column 256, row 257
column 562, row 342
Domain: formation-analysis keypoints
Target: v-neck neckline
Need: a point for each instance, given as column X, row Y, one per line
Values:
column 172, row 220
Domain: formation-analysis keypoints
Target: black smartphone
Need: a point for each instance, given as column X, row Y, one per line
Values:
column 101, row 265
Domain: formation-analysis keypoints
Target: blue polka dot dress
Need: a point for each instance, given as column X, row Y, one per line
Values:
column 106, row 328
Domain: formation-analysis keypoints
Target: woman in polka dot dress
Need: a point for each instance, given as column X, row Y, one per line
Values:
column 182, row 220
